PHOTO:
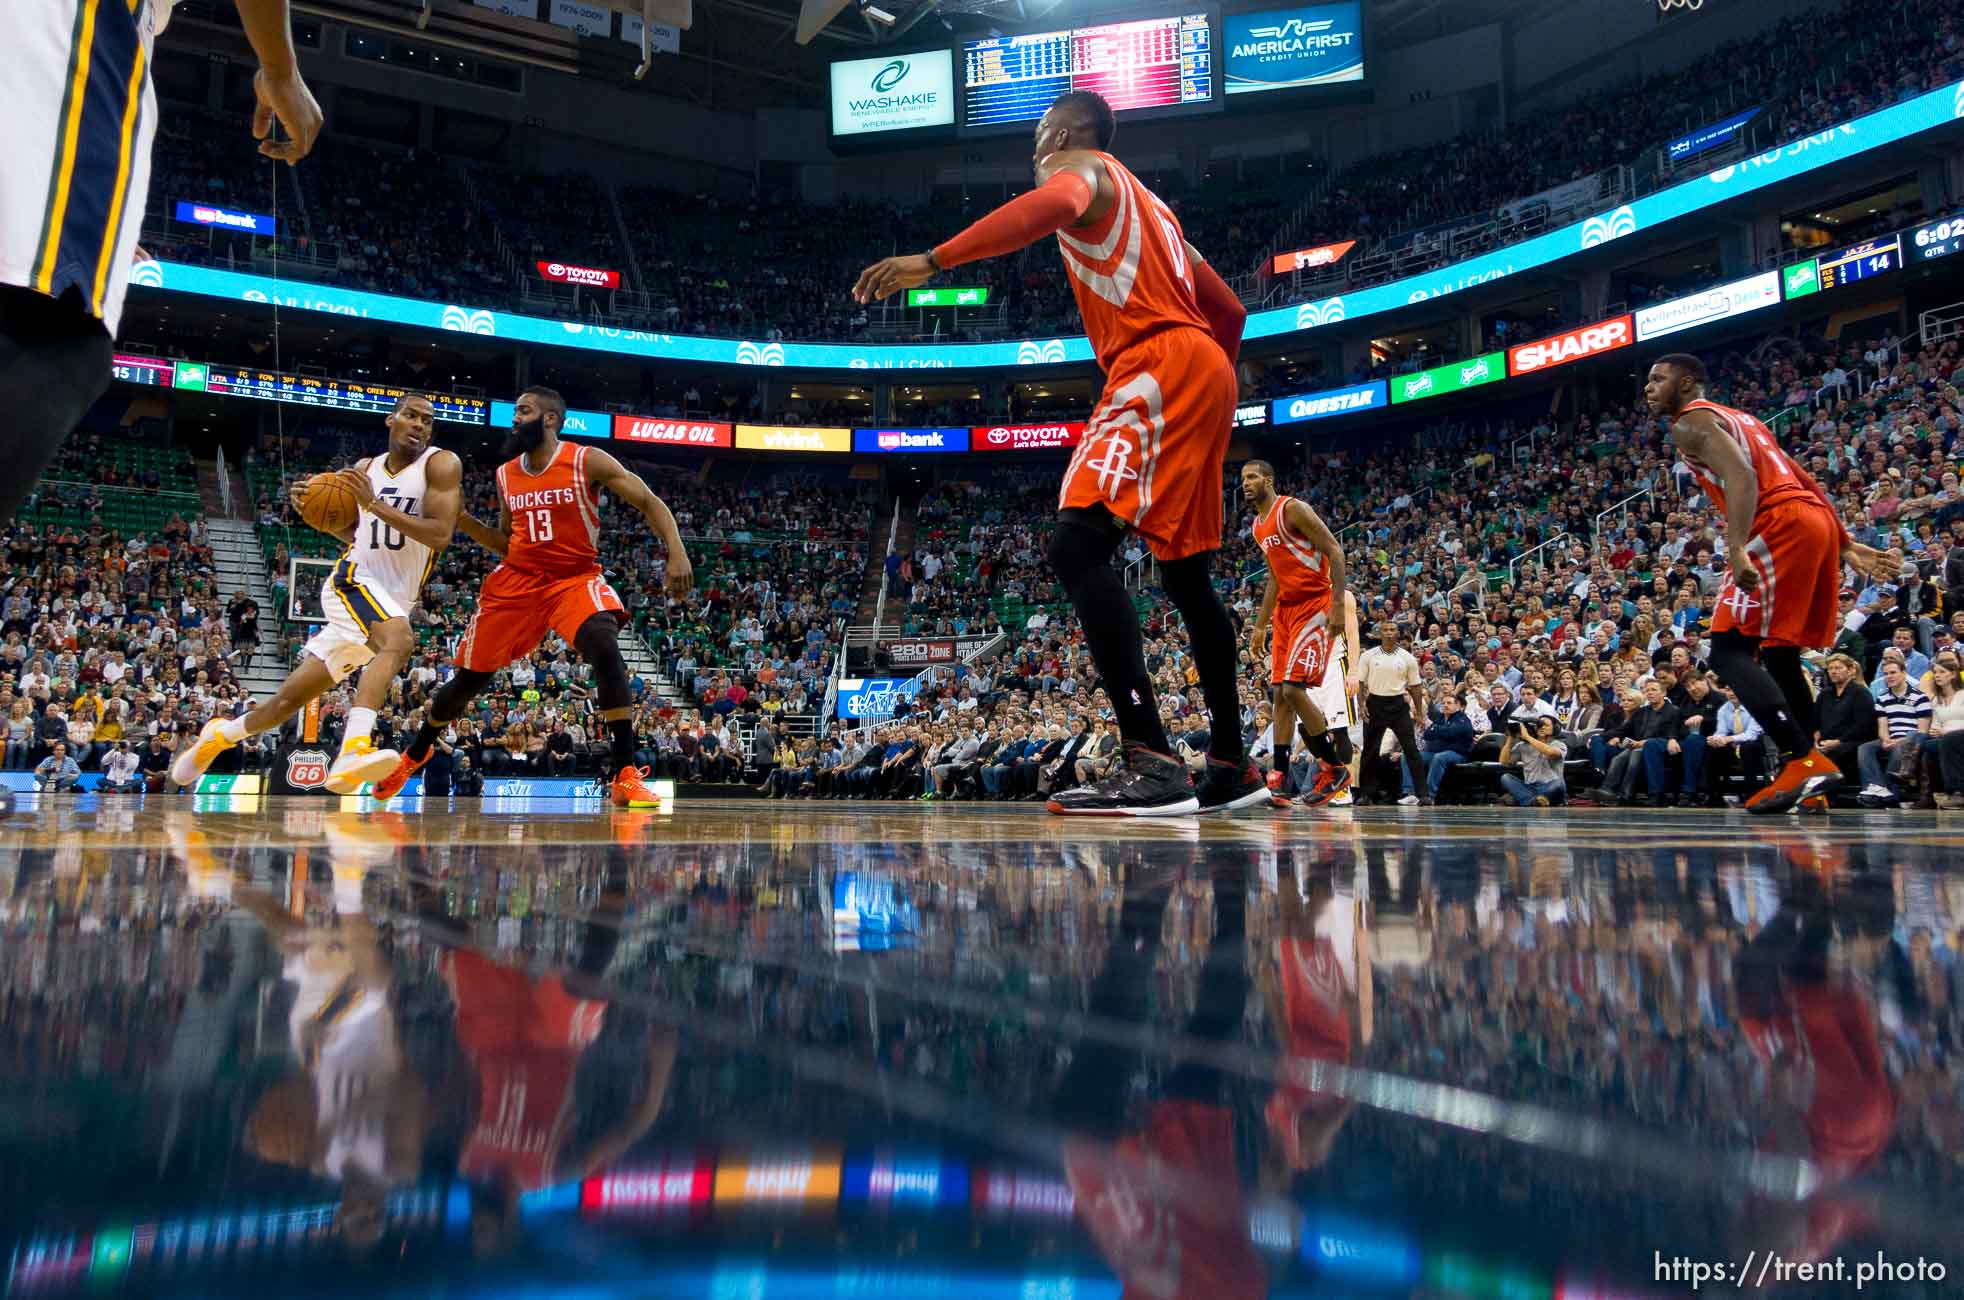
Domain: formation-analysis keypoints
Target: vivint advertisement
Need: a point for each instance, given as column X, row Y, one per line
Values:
column 894, row 93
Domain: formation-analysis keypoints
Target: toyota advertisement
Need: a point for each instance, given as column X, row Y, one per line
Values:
column 1560, row 349
column 886, row 442
column 674, row 433
column 590, row 276
column 1025, row 437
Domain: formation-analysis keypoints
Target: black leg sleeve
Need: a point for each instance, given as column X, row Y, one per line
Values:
column 1082, row 556
column 1189, row 585
column 54, row 364
column 1736, row 660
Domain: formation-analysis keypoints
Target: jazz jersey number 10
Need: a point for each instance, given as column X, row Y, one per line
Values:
column 380, row 535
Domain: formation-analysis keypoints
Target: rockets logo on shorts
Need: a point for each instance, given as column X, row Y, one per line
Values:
column 1738, row 602
column 1115, row 468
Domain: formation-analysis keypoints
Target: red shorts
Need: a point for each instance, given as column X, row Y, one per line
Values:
column 501, row 1009
column 1797, row 549
column 1299, row 644
column 515, row 610
column 1152, row 452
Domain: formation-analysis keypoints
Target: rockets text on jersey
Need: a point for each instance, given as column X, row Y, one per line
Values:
column 555, row 522
column 1129, row 270
column 1302, row 574
column 1777, row 480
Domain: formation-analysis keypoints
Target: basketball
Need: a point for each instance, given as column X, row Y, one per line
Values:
column 327, row 504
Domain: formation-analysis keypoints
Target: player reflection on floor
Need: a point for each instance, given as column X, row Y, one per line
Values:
column 1160, row 1193
column 524, row 1036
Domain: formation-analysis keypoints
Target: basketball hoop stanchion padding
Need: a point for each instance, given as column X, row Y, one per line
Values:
column 302, row 768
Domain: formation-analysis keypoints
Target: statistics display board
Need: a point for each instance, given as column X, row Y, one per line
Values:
column 1147, row 63
column 312, row 390
column 1875, row 257
column 1291, row 49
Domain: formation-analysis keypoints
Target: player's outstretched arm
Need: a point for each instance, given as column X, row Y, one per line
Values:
column 1698, row 433
column 1067, row 191
column 1309, row 524
column 495, row 540
column 437, row 523
column 603, row 471
column 277, row 85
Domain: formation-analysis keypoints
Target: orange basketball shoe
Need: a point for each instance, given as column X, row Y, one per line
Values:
column 631, row 790
column 391, row 785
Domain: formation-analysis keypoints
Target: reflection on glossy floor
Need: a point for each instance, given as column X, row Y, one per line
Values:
column 288, row 1047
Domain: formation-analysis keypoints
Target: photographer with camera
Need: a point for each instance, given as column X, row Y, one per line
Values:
column 1541, row 783
column 121, row 769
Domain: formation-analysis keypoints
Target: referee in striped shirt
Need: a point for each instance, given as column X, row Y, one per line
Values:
column 79, row 115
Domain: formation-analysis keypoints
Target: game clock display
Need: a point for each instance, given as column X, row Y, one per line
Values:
column 1150, row 63
column 1860, row 262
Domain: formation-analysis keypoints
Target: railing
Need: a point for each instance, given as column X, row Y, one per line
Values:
column 1476, row 580
column 893, row 535
column 1513, row 565
column 224, row 485
column 1940, row 323
column 1138, row 573
column 1596, row 541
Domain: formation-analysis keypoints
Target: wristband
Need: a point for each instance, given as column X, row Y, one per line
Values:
column 934, row 261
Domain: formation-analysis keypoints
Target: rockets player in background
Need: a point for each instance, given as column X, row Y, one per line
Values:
column 548, row 536
column 1166, row 329
column 1305, row 589
column 1785, row 546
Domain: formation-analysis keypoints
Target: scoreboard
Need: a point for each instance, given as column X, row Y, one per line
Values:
column 1148, row 63
column 338, row 394
column 1874, row 257
column 1938, row 239
column 150, row 371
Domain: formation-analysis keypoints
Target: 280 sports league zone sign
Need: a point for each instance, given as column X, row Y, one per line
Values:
column 896, row 93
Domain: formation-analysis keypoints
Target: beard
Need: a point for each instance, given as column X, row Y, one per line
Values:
column 524, row 436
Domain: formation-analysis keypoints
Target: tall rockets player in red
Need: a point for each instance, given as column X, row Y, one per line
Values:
column 1305, row 587
column 1785, row 546
column 1166, row 329
column 548, row 535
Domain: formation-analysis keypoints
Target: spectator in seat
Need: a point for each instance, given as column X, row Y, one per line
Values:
column 1446, row 743
column 1944, row 745
column 1095, row 760
column 1847, row 715
column 560, row 754
column 1541, row 782
column 53, row 730
column 1733, row 743
column 155, row 763
column 1697, row 720
column 1656, row 718
column 57, row 773
column 122, row 770
column 20, row 736
column 1902, row 646
column 1954, row 570
column 465, row 779
column 1891, row 759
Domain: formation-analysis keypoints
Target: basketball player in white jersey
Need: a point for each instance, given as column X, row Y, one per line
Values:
column 1335, row 698
column 75, row 138
column 410, row 501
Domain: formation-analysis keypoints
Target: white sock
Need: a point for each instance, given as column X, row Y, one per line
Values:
column 361, row 722
column 233, row 729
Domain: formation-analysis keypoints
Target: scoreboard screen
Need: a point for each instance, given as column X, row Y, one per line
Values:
column 152, row 371
column 1938, row 239
column 1148, row 63
column 1874, row 257
column 340, row 394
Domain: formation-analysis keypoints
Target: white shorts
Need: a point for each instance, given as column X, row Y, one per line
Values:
column 1332, row 695
column 354, row 606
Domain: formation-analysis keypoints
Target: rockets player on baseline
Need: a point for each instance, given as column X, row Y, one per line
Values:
column 410, row 499
column 548, row 536
column 1305, row 588
column 1166, row 329
column 1785, row 545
